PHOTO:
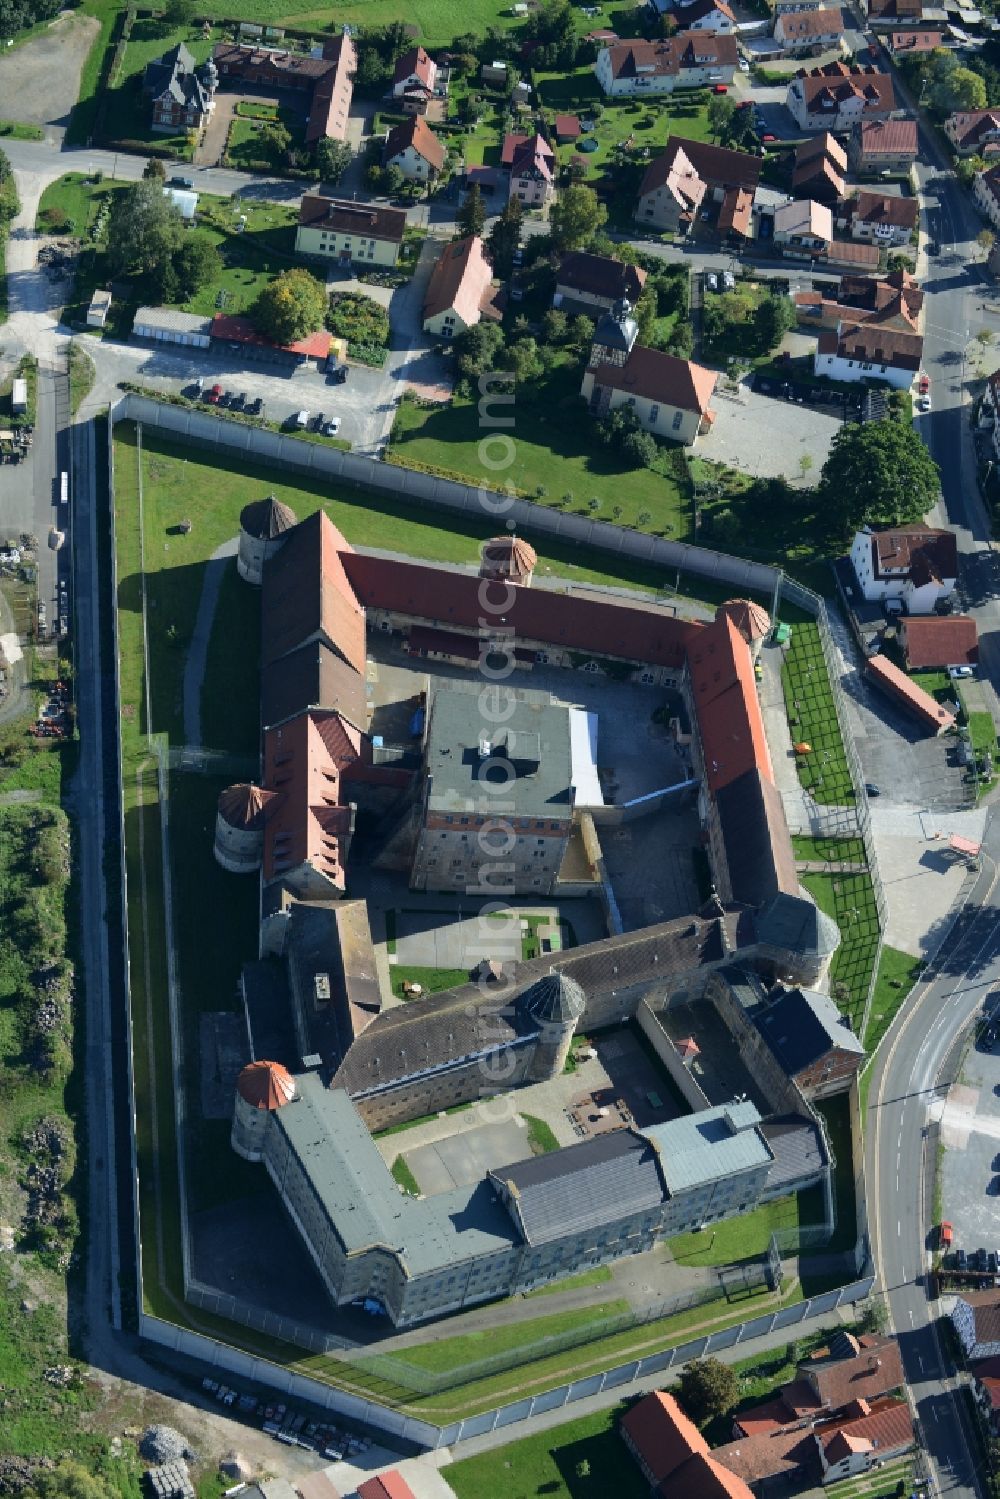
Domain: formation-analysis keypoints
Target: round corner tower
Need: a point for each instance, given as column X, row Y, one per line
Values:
column 554, row 1004
column 264, row 524
column 510, row 559
column 751, row 621
column 261, row 1088
column 239, row 827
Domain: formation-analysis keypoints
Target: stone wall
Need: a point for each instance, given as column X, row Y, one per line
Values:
column 661, row 1043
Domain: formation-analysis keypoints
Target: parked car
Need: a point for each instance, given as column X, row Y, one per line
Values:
column 332, row 427
column 214, row 396
column 961, row 1260
column 300, row 420
column 185, row 182
column 711, row 281
column 728, row 280
column 317, row 422
column 992, row 1262
column 338, row 375
column 982, row 1260
column 923, row 403
column 933, row 248
column 958, row 672
column 256, row 406
column 720, row 88
column 871, row 789
column 925, row 384
column 744, row 65
column 946, row 1234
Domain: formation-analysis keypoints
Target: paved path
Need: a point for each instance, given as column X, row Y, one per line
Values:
column 197, row 656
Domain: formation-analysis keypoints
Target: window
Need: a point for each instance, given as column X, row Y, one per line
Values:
column 678, row 418
column 654, row 412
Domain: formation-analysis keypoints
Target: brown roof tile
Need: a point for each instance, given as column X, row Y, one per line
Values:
column 661, row 377
column 932, row 642
column 716, row 165
column 705, row 1477
column 777, row 1454
column 417, row 133
column 600, row 276
column 346, row 217
column 875, row 1369
column 307, row 596
column 662, row 1434
column 459, row 281
column 889, row 137
column 885, row 208
column 312, row 677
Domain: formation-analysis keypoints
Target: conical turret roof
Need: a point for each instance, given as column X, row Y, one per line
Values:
column 554, row 998
column 244, row 805
column 266, row 1085
column 752, row 620
column 511, row 554
column 265, row 519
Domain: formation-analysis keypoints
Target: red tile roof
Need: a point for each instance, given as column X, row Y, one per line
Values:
column 568, row 127
column 509, row 148
column 886, row 1428
column 900, row 686
column 303, row 763
column 266, row 1085
column 340, row 214
column 886, row 208
column 417, row 133
column 705, row 1477
column 241, row 330
column 417, row 62
column 889, row 138
column 915, row 41
column 873, row 1369
column 660, row 377
column 460, row 281
column 807, row 24
column 780, row 1453
column 724, row 693
column 932, row 642
column 633, row 632
column 307, row 595
column 391, row 1485
column 662, row 1434
column 716, row 165
column 924, row 553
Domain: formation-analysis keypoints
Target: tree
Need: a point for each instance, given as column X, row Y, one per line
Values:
column 583, row 1468
column 582, row 331
column 617, row 511
column 196, row 263
column 720, row 113
column 70, row 1480
column 986, row 239
column 332, row 158
column 275, row 138
column 576, row 217
column 477, row 348
column 708, row 1388
column 638, row 449
column 290, row 307
column 179, row 13
column 643, row 519
column 594, row 503
column 878, row 474
column 774, row 317
column 144, row 229
column 395, row 181
column 555, row 326
column 524, row 359
column 951, row 87
column 154, row 170
column 505, row 237
column 471, row 218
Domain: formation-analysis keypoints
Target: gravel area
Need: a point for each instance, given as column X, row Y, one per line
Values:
column 40, row 81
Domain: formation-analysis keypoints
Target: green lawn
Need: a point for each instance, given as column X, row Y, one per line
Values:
column 813, row 720
column 747, row 1236
column 431, row 980
column 444, row 1355
column 15, row 130
column 549, row 1463
column 405, row 1177
column 127, row 110
column 850, row 900
column 540, row 1136
column 82, row 120
column 183, row 482
column 897, row 973
column 553, row 450
column 832, row 850
column 249, row 148
column 77, row 196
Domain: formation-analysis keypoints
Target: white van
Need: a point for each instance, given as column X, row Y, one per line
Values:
column 302, row 420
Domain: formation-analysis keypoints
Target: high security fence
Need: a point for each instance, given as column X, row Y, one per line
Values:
column 327, row 464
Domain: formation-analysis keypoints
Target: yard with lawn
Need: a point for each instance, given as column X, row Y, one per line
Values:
column 897, row 974
column 252, row 145
column 556, row 459
column 849, row 898
column 812, row 719
column 126, row 112
column 796, row 535
column 430, row 980
column 580, row 1459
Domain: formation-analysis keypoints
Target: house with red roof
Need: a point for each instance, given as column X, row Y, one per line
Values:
column 839, row 96
column 805, row 32
column 884, row 146
column 388, row 1485
column 414, row 81
column 531, row 162
column 703, row 15
column 671, row 397
column 461, row 291
column 933, row 642
column 914, row 565
column 230, row 329
column 985, row 1376
column 568, row 129
column 974, row 132
column 415, row 150
column 689, row 59
column 986, row 193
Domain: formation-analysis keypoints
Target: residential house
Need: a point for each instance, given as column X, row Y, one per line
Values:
column 183, row 96
column 672, row 1454
column 883, row 344
column 839, row 96
column 875, row 1435
column 677, row 183
column 414, row 149
column 670, row 397
column 461, row 290
column 884, row 146
column 916, row 565
column 933, row 642
column 568, row 129
column 804, row 225
column 888, row 12
column 414, row 80
column 895, row 300
column 853, row 253
column 689, row 59
column 914, row 43
column 327, row 79
column 828, row 1382
column 986, row 194
column 342, row 230
column 531, row 161
column 985, row 1376
column 807, row 32
column 975, row 1317
column 974, row 132
column 493, row 74
column 704, row 15
column 387, row 1485
column 820, row 168
column 882, row 219
column 168, row 325
column 593, row 284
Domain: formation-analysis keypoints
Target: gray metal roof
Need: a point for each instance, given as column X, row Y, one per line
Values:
column 556, row 997
column 795, row 923
column 703, row 1147
column 582, row 1186
column 171, row 318
column 797, row 1147
column 801, row 1025
column 361, row 1200
column 461, row 747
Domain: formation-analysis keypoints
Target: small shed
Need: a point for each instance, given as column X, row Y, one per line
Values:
column 100, row 306
column 568, row 129
column 184, row 201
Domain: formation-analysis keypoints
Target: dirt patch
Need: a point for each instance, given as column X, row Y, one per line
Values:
column 40, row 82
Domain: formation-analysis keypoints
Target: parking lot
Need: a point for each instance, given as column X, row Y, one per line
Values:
column 770, row 437
column 970, row 1133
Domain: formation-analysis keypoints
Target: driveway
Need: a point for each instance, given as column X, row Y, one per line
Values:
column 40, row 82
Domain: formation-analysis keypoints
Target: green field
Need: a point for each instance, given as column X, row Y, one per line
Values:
column 850, row 900
column 249, row 149
column 553, row 450
column 550, row 1463
column 812, row 719
column 637, row 128
column 897, row 974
